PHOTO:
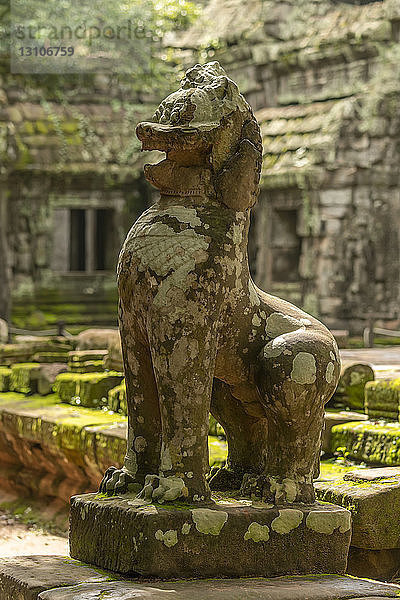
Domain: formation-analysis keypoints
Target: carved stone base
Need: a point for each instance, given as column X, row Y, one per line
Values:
column 231, row 538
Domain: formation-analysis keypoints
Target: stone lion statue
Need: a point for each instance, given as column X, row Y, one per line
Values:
column 197, row 334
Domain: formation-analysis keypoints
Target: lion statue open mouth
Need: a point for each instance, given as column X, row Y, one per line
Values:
column 197, row 334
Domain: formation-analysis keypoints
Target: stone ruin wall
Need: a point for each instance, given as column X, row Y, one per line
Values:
column 348, row 201
column 57, row 159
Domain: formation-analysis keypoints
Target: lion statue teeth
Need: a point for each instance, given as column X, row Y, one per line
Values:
column 198, row 335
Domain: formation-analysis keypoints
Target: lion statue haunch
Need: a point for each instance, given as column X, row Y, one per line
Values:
column 197, row 334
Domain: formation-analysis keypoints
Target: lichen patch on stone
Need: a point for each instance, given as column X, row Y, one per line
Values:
column 140, row 444
column 209, row 521
column 186, row 528
column 329, row 372
column 275, row 347
column 285, row 491
column 169, row 538
column 278, row 324
column 304, row 368
column 326, row 521
column 183, row 214
column 257, row 532
column 289, row 519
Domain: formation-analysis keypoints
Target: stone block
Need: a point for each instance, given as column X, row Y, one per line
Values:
column 113, row 361
column 3, row 331
column 230, row 538
column 373, row 564
column 373, row 498
column 26, row 348
column 117, row 399
column 50, row 357
column 5, row 377
column 336, row 197
column 87, row 366
column 351, row 387
column 24, row 577
column 25, row 377
column 47, row 376
column 382, row 399
column 41, row 435
column 86, row 389
column 366, row 441
column 96, row 338
column 104, row 445
column 81, row 356
column 337, row 418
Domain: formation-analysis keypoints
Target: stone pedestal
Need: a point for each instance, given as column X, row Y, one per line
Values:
column 231, row 538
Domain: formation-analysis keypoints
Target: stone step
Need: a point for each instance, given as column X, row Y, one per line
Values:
column 39, row 434
column 62, row 578
column 26, row 349
column 368, row 441
column 333, row 418
column 45, row 440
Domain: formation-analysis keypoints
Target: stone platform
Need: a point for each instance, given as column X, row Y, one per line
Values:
column 231, row 538
column 61, row 578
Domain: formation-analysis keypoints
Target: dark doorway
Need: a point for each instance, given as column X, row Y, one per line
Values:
column 285, row 246
column 105, row 234
column 77, row 256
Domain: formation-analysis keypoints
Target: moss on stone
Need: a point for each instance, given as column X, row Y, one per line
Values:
column 5, row 377
column 86, row 389
column 373, row 443
column 334, row 469
column 24, row 377
column 117, row 399
column 47, row 421
column 88, row 366
column 42, row 127
column 382, row 399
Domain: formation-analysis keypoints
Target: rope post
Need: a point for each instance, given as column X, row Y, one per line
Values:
column 368, row 335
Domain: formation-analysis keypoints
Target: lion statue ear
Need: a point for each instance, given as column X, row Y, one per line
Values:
column 237, row 182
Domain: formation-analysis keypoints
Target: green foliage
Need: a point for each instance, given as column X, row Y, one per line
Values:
column 215, row 428
column 136, row 46
column 218, row 451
